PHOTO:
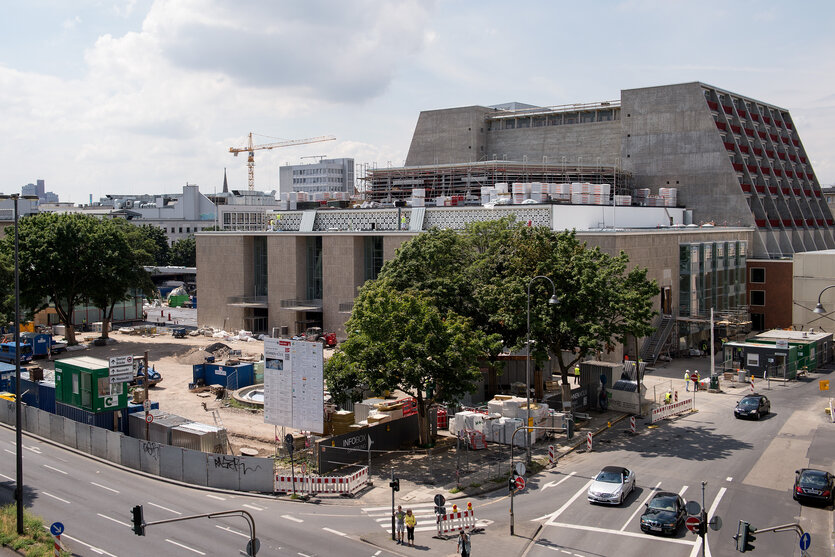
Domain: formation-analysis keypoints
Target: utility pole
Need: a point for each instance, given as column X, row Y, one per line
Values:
column 147, row 406
column 703, row 524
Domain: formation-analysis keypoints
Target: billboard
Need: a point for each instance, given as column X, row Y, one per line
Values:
column 294, row 390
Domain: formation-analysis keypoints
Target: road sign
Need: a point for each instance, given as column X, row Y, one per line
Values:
column 120, row 369
column 289, row 445
column 439, row 500
column 149, row 418
column 715, row 523
column 694, row 377
column 252, row 548
column 520, row 483
column 632, row 424
column 147, row 405
column 824, row 384
column 692, row 523
column 805, row 541
column 57, row 529
column 520, row 468
column 693, row 508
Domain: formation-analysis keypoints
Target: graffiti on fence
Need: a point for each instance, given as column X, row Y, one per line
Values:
column 151, row 449
column 234, row 463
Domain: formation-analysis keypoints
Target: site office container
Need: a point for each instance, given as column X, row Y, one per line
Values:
column 84, row 382
column 757, row 358
column 112, row 420
column 232, row 377
column 814, row 349
column 40, row 394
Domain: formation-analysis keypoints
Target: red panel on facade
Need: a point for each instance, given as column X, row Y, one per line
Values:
column 721, row 126
column 808, row 175
column 786, row 191
column 738, row 166
column 781, row 156
column 713, row 105
column 778, row 172
column 760, row 189
column 760, row 222
column 787, row 222
column 762, row 135
column 770, row 153
column 730, row 147
column 774, row 222
column 798, row 222
column 789, row 174
column 779, row 124
column 742, row 114
column 796, row 191
column 766, row 119
column 802, row 159
column 830, row 222
column 736, row 129
column 796, row 143
column 755, row 117
column 817, row 193
column 772, row 189
column 746, row 187
column 820, row 222
column 785, row 140
column 749, row 133
column 728, row 110
column 788, row 125
column 744, row 148
column 752, row 168
column 773, row 137
column 793, row 158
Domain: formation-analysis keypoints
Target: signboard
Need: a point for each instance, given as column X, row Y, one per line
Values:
column 149, row 418
column 520, row 482
column 824, row 384
column 57, row 529
column 294, row 384
column 692, row 523
column 120, row 369
column 782, row 344
column 694, row 377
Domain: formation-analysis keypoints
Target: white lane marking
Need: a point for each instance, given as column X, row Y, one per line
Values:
column 184, row 546
column 55, row 469
column 8, row 478
column 10, row 452
column 114, row 520
column 35, row 450
column 710, row 515
column 555, row 483
column 55, row 497
column 683, row 489
column 253, row 507
column 378, row 552
column 93, row 548
column 303, row 554
column 216, row 497
column 620, row 533
column 104, row 487
column 697, row 547
column 293, row 518
column 388, row 508
column 650, row 494
column 729, row 479
column 337, row 532
column 164, row 508
column 232, row 530
column 558, row 512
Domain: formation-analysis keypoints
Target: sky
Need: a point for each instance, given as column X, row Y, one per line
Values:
column 105, row 97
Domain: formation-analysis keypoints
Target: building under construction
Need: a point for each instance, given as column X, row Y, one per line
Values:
column 467, row 179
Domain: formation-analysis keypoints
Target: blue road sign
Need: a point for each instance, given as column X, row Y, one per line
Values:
column 805, row 541
column 56, row 529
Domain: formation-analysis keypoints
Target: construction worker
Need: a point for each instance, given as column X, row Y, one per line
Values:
column 576, row 375
column 687, row 380
column 668, row 397
column 698, row 377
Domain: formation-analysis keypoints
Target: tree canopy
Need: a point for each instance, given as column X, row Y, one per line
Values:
column 183, row 252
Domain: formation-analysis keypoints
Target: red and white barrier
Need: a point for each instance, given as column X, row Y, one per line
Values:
column 455, row 522
column 588, row 441
column 552, row 455
column 347, row 485
column 632, row 424
column 667, row 410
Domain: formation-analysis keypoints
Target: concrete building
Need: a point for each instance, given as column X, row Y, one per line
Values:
column 325, row 176
column 770, row 293
column 813, row 272
column 39, row 190
column 734, row 160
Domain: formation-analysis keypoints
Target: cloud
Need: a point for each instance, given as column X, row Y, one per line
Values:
column 71, row 23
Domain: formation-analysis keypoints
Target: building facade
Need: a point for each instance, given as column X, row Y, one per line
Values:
column 770, row 293
column 326, row 176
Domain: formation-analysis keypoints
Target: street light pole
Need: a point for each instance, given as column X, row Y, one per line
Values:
column 18, row 427
column 553, row 300
column 819, row 307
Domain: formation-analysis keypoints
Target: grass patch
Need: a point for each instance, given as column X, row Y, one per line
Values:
column 455, row 489
column 475, row 485
column 35, row 541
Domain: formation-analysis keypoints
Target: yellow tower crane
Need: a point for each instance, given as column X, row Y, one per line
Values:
column 251, row 148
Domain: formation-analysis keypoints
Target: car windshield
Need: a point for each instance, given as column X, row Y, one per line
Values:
column 749, row 403
column 663, row 503
column 812, row 480
column 608, row 477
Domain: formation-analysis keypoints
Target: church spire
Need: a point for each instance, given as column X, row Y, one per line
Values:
column 225, row 183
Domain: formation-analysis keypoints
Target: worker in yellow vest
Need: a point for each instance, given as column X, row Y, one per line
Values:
column 577, row 375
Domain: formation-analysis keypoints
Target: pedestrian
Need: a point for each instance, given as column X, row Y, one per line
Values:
column 668, row 397
column 687, row 380
column 576, row 375
column 696, row 384
column 399, row 517
column 464, row 544
column 411, row 522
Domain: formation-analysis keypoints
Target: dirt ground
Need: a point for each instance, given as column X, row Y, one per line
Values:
column 174, row 359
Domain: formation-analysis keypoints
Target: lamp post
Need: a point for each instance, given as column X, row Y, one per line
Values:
column 819, row 308
column 553, row 300
column 18, row 429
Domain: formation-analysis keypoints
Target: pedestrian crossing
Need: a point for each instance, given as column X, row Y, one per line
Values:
column 424, row 514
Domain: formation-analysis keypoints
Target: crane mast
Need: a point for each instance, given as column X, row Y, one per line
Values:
column 250, row 148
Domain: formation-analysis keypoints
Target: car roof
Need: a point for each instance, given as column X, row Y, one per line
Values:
column 617, row 469
column 664, row 494
column 813, row 472
column 753, row 395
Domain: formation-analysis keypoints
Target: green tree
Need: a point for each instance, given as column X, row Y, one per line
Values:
column 6, row 286
column 121, row 253
column 184, row 252
column 159, row 243
column 399, row 340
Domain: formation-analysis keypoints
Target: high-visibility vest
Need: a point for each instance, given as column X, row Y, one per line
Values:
column 577, row 370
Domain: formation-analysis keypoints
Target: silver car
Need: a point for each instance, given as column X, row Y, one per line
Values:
column 612, row 485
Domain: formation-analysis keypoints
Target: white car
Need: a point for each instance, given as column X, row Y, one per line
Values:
column 612, row 485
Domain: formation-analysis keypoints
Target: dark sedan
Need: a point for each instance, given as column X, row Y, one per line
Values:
column 812, row 485
column 664, row 514
column 753, row 406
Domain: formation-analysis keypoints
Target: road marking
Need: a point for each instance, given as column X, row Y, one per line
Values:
column 216, row 497
column 232, row 530
column 378, row 552
column 55, row 497
column 104, row 487
column 10, row 452
column 184, row 546
column 293, row 518
column 337, row 532
column 559, row 511
column 114, row 520
column 164, row 508
column 93, row 548
column 55, row 469
column 650, row 494
column 729, row 479
column 303, row 554
column 710, row 516
column 253, row 507
column 8, row 478
column 35, row 450
column 681, row 493
column 388, row 508
column 555, row 484
column 619, row 532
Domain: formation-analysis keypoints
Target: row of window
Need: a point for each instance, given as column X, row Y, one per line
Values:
column 179, row 230
column 318, row 171
column 554, row 119
column 323, row 180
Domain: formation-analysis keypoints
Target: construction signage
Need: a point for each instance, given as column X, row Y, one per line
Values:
column 824, row 384
column 668, row 410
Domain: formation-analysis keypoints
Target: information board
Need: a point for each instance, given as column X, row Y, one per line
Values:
column 121, row 369
column 294, row 384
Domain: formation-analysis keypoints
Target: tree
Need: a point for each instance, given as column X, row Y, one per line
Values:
column 159, row 243
column 121, row 253
column 6, row 287
column 184, row 252
column 399, row 340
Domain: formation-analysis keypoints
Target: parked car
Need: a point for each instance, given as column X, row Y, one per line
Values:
column 813, row 486
column 664, row 514
column 753, row 405
column 611, row 485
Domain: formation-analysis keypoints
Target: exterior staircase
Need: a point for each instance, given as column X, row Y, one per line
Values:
column 655, row 344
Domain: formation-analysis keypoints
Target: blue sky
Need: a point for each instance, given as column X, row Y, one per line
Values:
column 119, row 96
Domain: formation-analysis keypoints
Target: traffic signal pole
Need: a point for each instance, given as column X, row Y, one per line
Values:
column 746, row 531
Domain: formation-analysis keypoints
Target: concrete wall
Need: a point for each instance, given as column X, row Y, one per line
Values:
column 224, row 264
column 449, row 135
column 286, row 278
column 813, row 271
column 343, row 272
column 588, row 144
column 777, row 311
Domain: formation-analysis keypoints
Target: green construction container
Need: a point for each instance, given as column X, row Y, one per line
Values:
column 177, row 301
column 84, row 382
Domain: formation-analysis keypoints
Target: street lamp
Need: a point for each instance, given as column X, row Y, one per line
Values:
column 553, row 300
column 18, row 428
column 819, row 308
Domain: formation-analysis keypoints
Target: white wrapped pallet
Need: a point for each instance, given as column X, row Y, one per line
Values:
column 623, row 200
column 418, row 192
column 495, row 406
column 497, row 430
column 501, row 187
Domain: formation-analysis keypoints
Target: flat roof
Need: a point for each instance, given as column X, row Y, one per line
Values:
column 793, row 335
column 87, row 362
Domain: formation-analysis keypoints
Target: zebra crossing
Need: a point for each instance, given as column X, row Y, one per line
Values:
column 424, row 514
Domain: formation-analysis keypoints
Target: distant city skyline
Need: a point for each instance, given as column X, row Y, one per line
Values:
column 127, row 96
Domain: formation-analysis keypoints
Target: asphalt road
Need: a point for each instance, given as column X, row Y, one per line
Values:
column 748, row 466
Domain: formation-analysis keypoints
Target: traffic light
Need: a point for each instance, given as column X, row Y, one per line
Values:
column 395, row 484
column 744, row 536
column 138, row 521
column 511, row 484
column 749, row 538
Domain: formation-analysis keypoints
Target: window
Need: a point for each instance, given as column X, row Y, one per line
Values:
column 758, row 275
column 752, row 360
column 758, row 297
column 181, row 230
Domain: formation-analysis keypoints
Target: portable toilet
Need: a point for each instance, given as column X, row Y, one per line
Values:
column 84, row 382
